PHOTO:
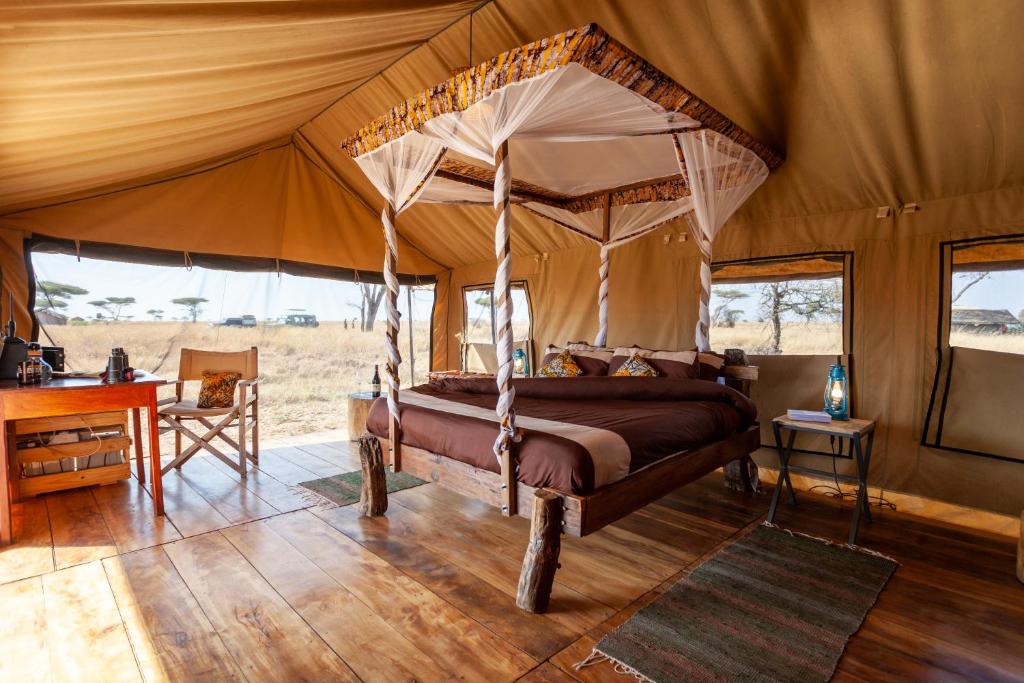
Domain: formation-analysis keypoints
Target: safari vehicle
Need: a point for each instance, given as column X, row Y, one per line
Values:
column 301, row 320
column 244, row 321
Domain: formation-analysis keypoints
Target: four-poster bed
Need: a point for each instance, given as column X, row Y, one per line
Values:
column 606, row 145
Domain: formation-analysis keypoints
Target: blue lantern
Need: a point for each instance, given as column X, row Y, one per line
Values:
column 836, row 394
column 520, row 365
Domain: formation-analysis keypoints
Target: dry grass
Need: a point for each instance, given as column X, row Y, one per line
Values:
column 797, row 338
column 305, row 372
column 826, row 338
column 1006, row 343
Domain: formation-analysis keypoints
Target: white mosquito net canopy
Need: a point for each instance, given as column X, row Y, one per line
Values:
column 576, row 128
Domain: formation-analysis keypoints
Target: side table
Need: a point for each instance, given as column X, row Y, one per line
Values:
column 853, row 430
column 358, row 410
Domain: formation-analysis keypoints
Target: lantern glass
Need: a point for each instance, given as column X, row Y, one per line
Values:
column 836, row 392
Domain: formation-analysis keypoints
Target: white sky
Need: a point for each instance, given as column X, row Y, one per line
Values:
column 264, row 295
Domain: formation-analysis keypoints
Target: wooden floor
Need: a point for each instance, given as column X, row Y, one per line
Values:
column 254, row 582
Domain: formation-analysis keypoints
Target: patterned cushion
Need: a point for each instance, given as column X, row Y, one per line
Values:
column 218, row 389
column 591, row 363
column 561, row 365
column 635, row 366
column 670, row 364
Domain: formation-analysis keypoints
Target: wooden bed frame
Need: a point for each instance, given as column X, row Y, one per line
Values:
column 553, row 512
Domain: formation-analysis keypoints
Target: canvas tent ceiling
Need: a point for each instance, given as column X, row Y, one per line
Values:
column 876, row 103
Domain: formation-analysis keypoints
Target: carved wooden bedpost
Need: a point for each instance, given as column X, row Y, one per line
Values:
column 541, row 559
column 394, row 322
column 373, row 494
column 503, row 347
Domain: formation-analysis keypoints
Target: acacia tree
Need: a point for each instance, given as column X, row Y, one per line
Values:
column 56, row 294
column 193, row 304
column 724, row 314
column 157, row 313
column 369, row 304
column 808, row 299
column 968, row 280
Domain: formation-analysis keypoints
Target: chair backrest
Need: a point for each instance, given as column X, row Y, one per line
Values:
column 195, row 362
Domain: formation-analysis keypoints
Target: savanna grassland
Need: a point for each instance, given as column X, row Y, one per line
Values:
column 305, row 373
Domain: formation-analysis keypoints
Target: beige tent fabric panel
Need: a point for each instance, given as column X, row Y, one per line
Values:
column 15, row 280
column 992, row 425
column 896, row 273
column 275, row 204
column 99, row 94
column 932, row 122
column 563, row 292
column 1004, row 255
column 809, row 268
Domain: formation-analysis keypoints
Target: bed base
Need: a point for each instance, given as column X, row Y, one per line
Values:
column 576, row 515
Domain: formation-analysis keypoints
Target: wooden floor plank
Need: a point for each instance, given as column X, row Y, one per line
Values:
column 268, row 640
column 284, row 470
column 497, row 559
column 369, row 645
column 282, row 496
column 600, row 566
column 24, row 649
column 87, row 638
column 547, row 673
column 346, row 458
column 80, row 533
column 318, row 466
column 127, row 510
column 234, row 502
column 31, row 553
column 537, row 635
column 462, row 645
column 171, row 636
column 190, row 513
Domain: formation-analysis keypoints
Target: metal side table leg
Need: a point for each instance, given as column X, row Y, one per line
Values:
column 783, row 479
column 862, row 489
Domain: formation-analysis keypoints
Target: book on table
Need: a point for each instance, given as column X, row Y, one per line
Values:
column 809, row 415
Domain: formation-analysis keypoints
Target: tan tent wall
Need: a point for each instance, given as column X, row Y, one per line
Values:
column 275, row 204
column 896, row 262
column 654, row 287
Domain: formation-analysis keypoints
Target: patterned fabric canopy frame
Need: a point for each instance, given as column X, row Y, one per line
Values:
column 603, row 144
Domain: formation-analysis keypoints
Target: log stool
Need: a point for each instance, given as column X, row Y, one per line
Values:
column 358, row 410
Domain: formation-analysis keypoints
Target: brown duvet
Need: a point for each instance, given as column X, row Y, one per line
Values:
column 655, row 417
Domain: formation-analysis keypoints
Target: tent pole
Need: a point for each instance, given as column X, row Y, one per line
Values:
column 503, row 316
column 602, row 273
column 394, row 323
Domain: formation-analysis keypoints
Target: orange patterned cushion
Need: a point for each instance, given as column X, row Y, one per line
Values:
column 218, row 389
column 635, row 366
column 561, row 365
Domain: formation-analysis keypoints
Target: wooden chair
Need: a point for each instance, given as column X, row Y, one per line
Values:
column 243, row 414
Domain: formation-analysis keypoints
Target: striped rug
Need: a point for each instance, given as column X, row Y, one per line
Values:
column 773, row 606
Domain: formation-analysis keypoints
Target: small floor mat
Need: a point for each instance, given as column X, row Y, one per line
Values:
column 773, row 606
column 343, row 489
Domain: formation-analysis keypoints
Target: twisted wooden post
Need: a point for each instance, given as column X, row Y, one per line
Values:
column 602, row 273
column 503, row 326
column 704, row 313
column 387, row 219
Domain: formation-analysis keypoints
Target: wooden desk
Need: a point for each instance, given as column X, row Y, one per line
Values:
column 72, row 397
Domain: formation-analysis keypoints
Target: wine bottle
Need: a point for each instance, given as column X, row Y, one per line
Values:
column 375, row 382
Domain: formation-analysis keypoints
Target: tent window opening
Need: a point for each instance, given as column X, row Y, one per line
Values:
column 480, row 333
column 986, row 296
column 318, row 338
column 790, row 306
